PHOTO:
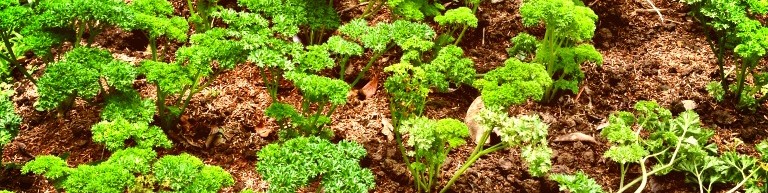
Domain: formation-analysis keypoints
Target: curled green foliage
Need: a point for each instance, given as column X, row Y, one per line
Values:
column 182, row 173
column 114, row 134
column 51, row 167
column 408, row 89
column 735, row 25
column 169, row 78
column 9, row 120
column 212, row 46
column 455, row 19
column 526, row 132
column 414, row 9
column 293, row 124
column 716, row 91
column 339, row 45
column 84, row 15
column 450, row 66
column 288, row 15
column 318, row 89
column 675, row 143
column 186, row 173
column 315, row 59
column 431, row 141
column 461, row 16
column 79, row 74
column 135, row 160
column 128, row 106
column 524, row 44
column 514, row 83
column 562, row 51
column 577, row 183
column 299, row 161
column 155, row 17
column 563, row 18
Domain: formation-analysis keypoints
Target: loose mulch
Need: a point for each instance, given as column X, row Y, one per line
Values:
column 644, row 59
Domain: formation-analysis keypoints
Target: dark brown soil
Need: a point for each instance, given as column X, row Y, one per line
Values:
column 645, row 59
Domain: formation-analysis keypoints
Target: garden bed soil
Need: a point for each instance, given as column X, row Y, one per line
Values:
column 644, row 59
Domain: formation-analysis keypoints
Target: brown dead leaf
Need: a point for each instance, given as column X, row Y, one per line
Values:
column 471, row 120
column 387, row 128
column 577, row 136
column 213, row 137
column 262, row 130
column 370, row 88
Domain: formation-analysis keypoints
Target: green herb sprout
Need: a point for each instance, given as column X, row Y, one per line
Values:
column 299, row 161
column 198, row 65
column 80, row 74
column 15, row 18
column 179, row 173
column 562, row 51
column 155, row 17
column 459, row 18
column 524, row 45
column 514, row 83
column 9, row 120
column 93, row 16
column 733, row 25
column 431, row 141
column 578, row 183
column 526, row 132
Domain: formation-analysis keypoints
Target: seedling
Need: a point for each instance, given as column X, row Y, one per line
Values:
column 15, row 17
column 300, row 161
column 569, row 25
column 732, row 25
column 9, row 120
column 431, row 142
column 209, row 55
column 578, row 182
column 178, row 173
column 82, row 73
column 460, row 18
column 84, row 15
column 155, row 17
column 526, row 132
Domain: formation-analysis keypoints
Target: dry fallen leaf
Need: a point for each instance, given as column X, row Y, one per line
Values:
column 470, row 120
column 387, row 128
column 577, row 136
column 370, row 88
column 262, row 130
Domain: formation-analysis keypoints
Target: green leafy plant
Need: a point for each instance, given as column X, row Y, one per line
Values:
column 80, row 16
column 114, row 134
column 156, row 18
column 384, row 36
column 577, row 183
column 128, row 106
column 200, row 13
column 526, row 132
column 299, row 161
column 197, row 66
column 288, row 16
column 569, row 25
column 431, row 142
column 514, row 83
column 9, row 120
column 80, row 74
column 733, row 25
column 15, row 18
column 180, row 173
column 460, row 18
column 524, row 45
column 675, row 143
column 318, row 92
column 405, row 9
